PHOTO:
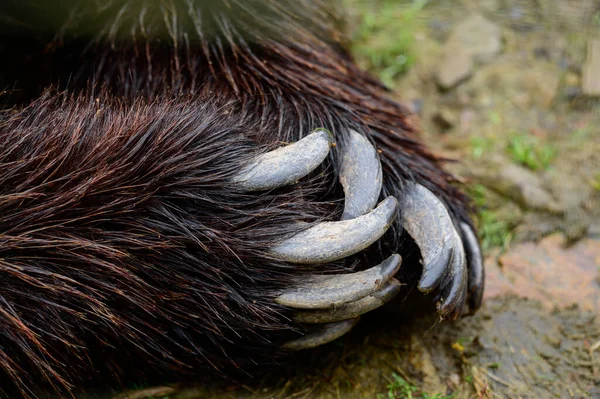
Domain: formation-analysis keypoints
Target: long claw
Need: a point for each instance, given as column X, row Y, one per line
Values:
column 360, row 176
column 427, row 221
column 454, row 287
column 475, row 266
column 285, row 165
column 324, row 292
column 352, row 309
column 329, row 241
column 327, row 333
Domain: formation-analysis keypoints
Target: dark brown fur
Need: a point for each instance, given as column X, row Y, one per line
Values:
column 120, row 237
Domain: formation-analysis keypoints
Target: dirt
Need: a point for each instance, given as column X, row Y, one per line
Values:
column 528, row 141
column 515, row 347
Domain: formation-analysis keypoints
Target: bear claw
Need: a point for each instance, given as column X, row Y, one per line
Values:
column 330, row 241
column 451, row 256
column 324, row 334
column 330, row 291
column 360, row 176
column 427, row 221
column 351, row 309
column 475, row 266
column 285, row 165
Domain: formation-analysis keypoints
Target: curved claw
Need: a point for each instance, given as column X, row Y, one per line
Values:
column 327, row 333
column 475, row 266
column 351, row 309
column 454, row 286
column 285, row 165
column 427, row 221
column 323, row 292
column 329, row 241
column 360, row 176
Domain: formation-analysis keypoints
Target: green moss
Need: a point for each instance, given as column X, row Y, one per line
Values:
column 384, row 41
column 595, row 183
column 481, row 146
column 531, row 151
column 493, row 231
column 399, row 388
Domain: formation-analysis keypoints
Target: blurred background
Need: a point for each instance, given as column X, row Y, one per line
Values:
column 510, row 89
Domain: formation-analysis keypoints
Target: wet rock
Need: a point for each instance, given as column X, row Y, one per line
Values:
column 542, row 83
column 445, row 118
column 475, row 40
column 526, row 188
column 477, row 36
column 537, row 85
column 490, row 6
column 416, row 106
column 535, row 225
column 570, row 14
column 439, row 29
column 519, row 184
column 521, row 20
column 591, row 70
column 521, row 350
column 547, row 271
column 456, row 66
column 542, row 53
column 574, row 193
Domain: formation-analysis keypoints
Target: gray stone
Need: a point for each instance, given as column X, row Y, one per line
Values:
column 526, row 188
column 590, row 84
column 491, row 6
column 542, row 83
column 477, row 36
column 456, row 66
column 569, row 14
column 519, row 184
column 445, row 118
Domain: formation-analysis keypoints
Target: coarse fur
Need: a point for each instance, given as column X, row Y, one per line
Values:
column 120, row 235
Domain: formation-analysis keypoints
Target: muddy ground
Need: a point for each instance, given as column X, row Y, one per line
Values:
column 507, row 88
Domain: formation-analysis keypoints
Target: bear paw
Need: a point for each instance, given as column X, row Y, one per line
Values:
column 334, row 302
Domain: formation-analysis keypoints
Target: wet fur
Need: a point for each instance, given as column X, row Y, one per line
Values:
column 120, row 237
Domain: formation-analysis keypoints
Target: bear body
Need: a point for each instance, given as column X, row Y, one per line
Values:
column 121, row 235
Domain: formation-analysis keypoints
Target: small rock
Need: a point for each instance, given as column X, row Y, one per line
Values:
column 571, row 79
column 571, row 14
column 591, row 70
column 445, row 118
column 516, row 13
column 454, row 380
column 526, row 188
column 542, row 83
column 491, row 6
column 519, row 184
column 477, row 36
column 542, row 53
column 439, row 29
column 456, row 66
